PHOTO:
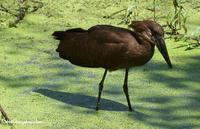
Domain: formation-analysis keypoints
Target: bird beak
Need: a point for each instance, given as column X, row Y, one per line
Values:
column 160, row 43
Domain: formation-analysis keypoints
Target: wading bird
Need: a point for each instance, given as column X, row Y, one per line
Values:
column 112, row 48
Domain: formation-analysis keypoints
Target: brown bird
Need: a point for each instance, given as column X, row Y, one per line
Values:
column 112, row 48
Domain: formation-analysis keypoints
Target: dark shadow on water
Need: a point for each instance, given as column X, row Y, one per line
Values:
column 82, row 100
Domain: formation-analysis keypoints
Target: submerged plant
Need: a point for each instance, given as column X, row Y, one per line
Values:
column 131, row 12
column 18, row 10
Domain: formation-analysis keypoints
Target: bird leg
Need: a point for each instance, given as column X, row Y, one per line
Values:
column 125, row 87
column 100, row 90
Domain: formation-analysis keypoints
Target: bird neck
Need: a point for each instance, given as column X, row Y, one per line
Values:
column 146, row 45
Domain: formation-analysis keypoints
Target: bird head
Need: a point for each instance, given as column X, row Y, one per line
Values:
column 153, row 33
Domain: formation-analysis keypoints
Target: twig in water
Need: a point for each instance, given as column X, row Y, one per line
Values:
column 5, row 116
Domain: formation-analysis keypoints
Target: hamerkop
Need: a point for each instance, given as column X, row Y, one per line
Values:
column 112, row 48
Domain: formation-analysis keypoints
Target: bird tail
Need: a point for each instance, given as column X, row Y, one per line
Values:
column 58, row 34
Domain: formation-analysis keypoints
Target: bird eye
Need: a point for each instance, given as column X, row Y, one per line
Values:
column 159, row 34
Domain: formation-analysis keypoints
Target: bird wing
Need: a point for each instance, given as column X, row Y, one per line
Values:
column 100, row 46
column 110, row 34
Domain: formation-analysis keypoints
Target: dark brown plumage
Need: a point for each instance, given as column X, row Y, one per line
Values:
column 112, row 47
